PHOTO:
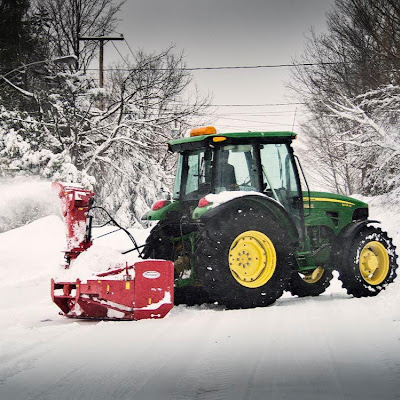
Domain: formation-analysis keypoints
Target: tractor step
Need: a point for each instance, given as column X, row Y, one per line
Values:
column 148, row 293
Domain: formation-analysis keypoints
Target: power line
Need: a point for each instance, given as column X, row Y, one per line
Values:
column 126, row 42
column 225, row 67
column 129, row 47
column 244, row 105
column 262, row 66
column 122, row 58
column 263, row 114
column 260, row 128
column 247, row 120
column 258, row 105
column 249, row 105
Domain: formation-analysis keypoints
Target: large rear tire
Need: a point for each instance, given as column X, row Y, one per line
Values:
column 311, row 283
column 371, row 265
column 244, row 259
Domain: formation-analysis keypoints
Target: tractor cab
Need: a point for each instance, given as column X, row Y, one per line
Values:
column 261, row 162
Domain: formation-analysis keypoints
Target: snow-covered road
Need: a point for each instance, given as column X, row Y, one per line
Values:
column 330, row 347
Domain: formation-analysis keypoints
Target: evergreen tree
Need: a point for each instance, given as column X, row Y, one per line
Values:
column 22, row 42
column 14, row 33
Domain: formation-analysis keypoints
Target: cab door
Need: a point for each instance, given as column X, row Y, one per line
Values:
column 280, row 180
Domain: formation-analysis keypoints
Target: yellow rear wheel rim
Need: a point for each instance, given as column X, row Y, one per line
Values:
column 252, row 259
column 374, row 263
column 314, row 276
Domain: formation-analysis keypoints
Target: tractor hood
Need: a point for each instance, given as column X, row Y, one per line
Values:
column 328, row 199
column 332, row 210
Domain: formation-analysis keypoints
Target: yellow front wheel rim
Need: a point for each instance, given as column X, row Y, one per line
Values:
column 252, row 259
column 314, row 276
column 374, row 263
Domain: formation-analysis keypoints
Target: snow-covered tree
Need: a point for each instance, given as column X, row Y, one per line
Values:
column 355, row 57
column 374, row 138
column 66, row 128
column 333, row 163
column 148, row 104
column 48, row 142
column 120, row 145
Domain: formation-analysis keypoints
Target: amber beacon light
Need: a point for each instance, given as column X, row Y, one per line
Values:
column 207, row 130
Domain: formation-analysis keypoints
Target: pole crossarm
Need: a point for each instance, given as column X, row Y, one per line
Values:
column 101, row 37
column 101, row 40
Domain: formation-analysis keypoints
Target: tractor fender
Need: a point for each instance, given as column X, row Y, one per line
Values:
column 341, row 245
column 263, row 203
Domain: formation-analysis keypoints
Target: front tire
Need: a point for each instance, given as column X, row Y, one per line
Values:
column 312, row 283
column 160, row 246
column 371, row 264
column 244, row 259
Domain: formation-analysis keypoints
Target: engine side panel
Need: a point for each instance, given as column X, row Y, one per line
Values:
column 332, row 210
column 326, row 216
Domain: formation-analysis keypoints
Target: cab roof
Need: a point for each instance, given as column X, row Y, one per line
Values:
column 285, row 135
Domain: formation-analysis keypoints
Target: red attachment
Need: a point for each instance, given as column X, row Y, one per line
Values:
column 149, row 294
column 142, row 290
column 75, row 204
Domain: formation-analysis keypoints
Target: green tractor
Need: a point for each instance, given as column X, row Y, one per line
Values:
column 241, row 230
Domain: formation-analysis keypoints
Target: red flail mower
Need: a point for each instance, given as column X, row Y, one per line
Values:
column 139, row 291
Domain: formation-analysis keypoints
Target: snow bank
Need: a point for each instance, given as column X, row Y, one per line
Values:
column 35, row 251
column 31, row 254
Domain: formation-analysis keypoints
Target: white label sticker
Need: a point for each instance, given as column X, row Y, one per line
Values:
column 151, row 274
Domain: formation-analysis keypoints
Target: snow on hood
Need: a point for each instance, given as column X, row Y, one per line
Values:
column 224, row 197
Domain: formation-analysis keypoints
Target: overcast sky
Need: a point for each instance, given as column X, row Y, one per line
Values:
column 228, row 33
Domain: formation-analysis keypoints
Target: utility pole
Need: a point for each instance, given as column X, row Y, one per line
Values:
column 101, row 40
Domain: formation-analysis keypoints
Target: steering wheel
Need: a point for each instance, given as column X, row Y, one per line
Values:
column 246, row 183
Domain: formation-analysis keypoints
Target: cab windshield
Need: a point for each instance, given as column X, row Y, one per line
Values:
column 236, row 168
column 266, row 168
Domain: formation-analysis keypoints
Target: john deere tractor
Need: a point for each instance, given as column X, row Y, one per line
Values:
column 240, row 229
